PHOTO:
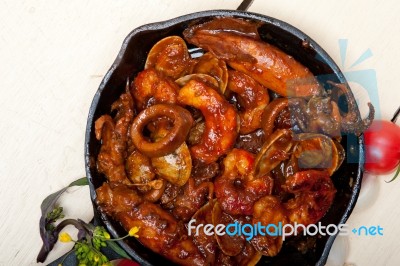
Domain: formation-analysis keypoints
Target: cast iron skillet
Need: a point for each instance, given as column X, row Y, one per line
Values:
column 130, row 61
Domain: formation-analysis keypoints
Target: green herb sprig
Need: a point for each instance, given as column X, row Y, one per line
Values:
column 90, row 238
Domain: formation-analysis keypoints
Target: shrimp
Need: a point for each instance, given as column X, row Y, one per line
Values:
column 151, row 87
column 252, row 98
column 269, row 210
column 313, row 192
column 221, row 125
column 237, row 189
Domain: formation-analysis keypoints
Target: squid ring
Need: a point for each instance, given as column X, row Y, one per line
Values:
column 270, row 114
column 182, row 121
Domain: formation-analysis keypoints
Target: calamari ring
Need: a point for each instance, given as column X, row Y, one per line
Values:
column 221, row 125
column 270, row 114
column 181, row 119
column 252, row 97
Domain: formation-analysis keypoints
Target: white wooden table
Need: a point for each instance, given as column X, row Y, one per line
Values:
column 53, row 55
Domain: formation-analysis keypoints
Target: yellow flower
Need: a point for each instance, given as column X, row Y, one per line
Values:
column 64, row 237
column 133, row 231
column 106, row 235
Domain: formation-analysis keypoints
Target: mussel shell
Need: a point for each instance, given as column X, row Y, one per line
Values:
column 318, row 151
column 138, row 167
column 174, row 167
column 275, row 150
column 205, row 243
column 249, row 256
column 209, row 64
column 205, row 78
column 229, row 245
column 169, row 56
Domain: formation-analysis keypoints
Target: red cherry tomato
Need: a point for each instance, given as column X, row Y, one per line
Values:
column 382, row 143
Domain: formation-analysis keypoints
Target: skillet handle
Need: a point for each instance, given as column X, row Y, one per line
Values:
column 245, row 5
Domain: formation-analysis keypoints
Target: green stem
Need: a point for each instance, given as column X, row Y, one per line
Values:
column 395, row 176
column 117, row 239
column 96, row 251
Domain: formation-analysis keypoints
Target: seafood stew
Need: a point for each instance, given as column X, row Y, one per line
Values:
column 167, row 112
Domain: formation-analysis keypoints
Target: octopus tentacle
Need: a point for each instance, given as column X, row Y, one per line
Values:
column 352, row 121
column 114, row 134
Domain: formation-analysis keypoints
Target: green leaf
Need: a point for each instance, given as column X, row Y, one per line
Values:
column 47, row 206
column 49, row 202
column 395, row 175
column 80, row 182
column 114, row 246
